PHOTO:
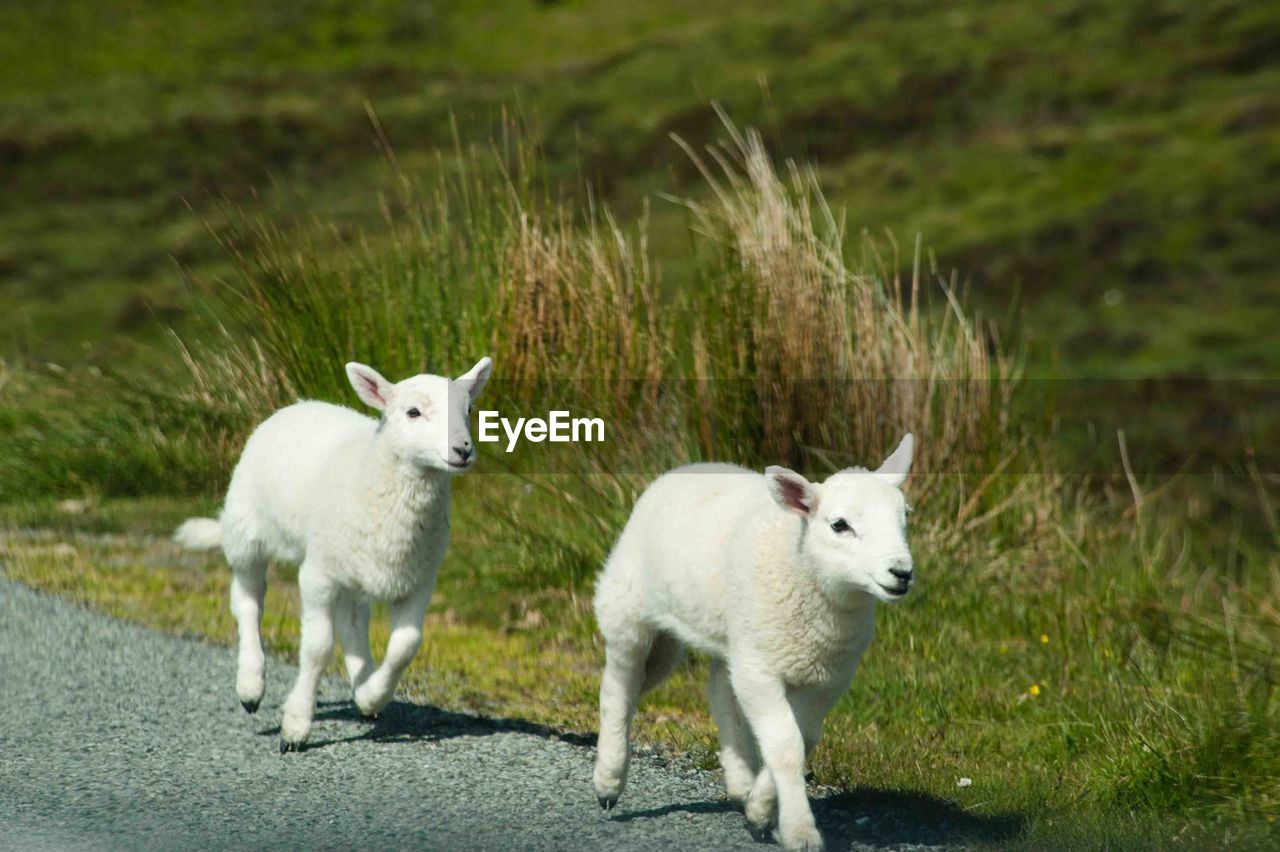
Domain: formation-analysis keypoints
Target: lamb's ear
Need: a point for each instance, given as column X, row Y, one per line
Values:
column 792, row 491
column 898, row 464
column 370, row 386
column 476, row 377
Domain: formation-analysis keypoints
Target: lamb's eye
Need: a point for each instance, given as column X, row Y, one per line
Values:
column 840, row 525
column 413, row 412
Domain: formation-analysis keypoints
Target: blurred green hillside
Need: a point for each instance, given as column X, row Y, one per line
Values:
column 1110, row 169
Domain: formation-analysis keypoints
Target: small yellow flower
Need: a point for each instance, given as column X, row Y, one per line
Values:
column 1044, row 638
column 1106, row 652
column 1004, row 649
column 1034, row 690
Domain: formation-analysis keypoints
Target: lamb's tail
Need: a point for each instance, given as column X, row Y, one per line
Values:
column 199, row 534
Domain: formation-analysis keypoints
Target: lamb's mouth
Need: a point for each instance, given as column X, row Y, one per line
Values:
column 896, row 591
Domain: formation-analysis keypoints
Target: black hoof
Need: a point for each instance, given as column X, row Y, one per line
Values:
column 607, row 802
column 286, row 746
column 250, row 707
column 760, row 833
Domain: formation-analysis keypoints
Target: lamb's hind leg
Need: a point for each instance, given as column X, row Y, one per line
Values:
column 352, row 621
column 738, row 755
column 633, row 667
column 619, row 691
column 248, row 591
column 407, row 616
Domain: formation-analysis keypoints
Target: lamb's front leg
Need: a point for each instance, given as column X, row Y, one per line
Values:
column 407, row 616
column 314, row 651
column 352, row 620
column 782, row 748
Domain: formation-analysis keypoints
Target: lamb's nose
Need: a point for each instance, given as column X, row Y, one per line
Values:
column 903, row 574
column 463, row 451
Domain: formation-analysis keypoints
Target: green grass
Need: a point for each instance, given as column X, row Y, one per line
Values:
column 1058, row 152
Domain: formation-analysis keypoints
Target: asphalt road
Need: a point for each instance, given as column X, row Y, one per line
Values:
column 113, row 736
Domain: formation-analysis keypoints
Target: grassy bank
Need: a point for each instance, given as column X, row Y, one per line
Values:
column 1096, row 656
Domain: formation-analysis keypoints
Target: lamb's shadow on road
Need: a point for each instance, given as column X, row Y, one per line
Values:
column 874, row 817
column 718, row 806
column 867, row 816
column 891, row 817
column 405, row 722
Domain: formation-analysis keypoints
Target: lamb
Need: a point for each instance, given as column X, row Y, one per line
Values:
column 775, row 578
column 362, row 505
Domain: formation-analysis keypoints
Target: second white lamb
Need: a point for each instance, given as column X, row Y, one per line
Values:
column 776, row 578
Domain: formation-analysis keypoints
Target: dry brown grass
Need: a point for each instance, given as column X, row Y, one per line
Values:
column 579, row 304
column 808, row 358
column 841, row 355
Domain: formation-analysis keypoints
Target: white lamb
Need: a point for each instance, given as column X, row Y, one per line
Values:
column 774, row 577
column 363, row 506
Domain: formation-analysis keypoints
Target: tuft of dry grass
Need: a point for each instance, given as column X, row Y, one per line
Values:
column 810, row 359
column 809, row 328
column 579, row 304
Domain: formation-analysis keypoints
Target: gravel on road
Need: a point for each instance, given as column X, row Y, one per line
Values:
column 113, row 736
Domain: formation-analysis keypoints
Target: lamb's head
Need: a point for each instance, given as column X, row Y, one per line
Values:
column 425, row 419
column 855, row 532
